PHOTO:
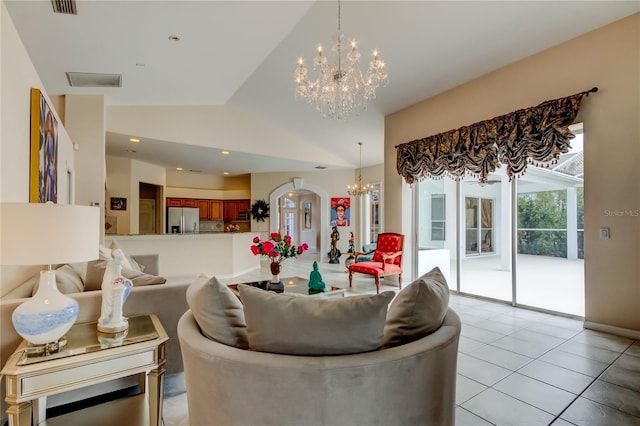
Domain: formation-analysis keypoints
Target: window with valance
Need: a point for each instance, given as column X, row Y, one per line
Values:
column 535, row 135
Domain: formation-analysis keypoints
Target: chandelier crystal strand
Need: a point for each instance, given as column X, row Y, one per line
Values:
column 340, row 87
column 358, row 188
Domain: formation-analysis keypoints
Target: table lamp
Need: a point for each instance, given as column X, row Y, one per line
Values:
column 47, row 234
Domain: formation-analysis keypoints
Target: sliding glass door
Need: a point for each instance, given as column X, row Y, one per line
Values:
column 525, row 235
column 478, row 227
column 483, row 271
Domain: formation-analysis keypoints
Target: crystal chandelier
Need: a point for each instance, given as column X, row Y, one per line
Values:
column 340, row 88
column 358, row 188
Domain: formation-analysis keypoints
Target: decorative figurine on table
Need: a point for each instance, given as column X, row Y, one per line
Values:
column 315, row 280
column 334, row 254
column 115, row 290
column 352, row 249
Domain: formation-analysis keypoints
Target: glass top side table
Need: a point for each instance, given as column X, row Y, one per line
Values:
column 89, row 358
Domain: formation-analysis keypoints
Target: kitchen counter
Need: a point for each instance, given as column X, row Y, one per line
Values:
column 224, row 254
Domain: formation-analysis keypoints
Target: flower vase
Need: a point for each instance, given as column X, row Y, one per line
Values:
column 275, row 284
column 275, row 271
column 46, row 317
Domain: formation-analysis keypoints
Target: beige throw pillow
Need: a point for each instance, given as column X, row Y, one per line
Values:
column 95, row 272
column 217, row 311
column 417, row 310
column 67, row 279
column 284, row 324
column 128, row 262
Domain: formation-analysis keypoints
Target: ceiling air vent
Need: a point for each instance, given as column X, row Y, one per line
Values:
column 320, row 167
column 89, row 79
column 68, row 7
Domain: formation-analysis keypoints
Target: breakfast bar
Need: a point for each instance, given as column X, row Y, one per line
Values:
column 224, row 254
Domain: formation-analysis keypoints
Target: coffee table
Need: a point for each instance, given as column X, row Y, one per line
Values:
column 89, row 358
column 295, row 285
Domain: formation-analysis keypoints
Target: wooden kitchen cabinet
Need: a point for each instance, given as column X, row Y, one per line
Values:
column 210, row 209
column 215, row 210
column 182, row 202
column 174, row 202
column 237, row 210
column 203, row 206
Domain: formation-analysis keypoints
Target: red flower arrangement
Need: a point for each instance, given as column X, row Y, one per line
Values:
column 277, row 248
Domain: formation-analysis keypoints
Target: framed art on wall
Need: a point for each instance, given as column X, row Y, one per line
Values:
column 307, row 215
column 118, row 203
column 43, row 161
column 340, row 211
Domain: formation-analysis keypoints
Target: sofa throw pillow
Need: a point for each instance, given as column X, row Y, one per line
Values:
column 417, row 310
column 217, row 311
column 95, row 270
column 128, row 262
column 67, row 279
column 140, row 278
column 282, row 324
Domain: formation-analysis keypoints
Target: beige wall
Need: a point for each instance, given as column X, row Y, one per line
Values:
column 84, row 120
column 608, row 58
column 331, row 183
column 216, row 127
column 118, row 185
column 18, row 76
column 123, row 180
column 184, row 179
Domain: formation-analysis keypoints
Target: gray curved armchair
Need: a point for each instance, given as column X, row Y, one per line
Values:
column 412, row 384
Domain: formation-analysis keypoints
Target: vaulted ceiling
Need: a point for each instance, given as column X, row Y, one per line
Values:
column 240, row 55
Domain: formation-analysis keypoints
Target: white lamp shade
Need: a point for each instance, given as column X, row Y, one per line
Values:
column 40, row 234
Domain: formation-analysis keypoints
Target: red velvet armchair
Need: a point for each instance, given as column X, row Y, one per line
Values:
column 387, row 260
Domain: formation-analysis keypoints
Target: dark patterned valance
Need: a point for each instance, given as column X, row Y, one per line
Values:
column 536, row 135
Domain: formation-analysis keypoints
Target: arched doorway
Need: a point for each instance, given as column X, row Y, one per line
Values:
column 322, row 210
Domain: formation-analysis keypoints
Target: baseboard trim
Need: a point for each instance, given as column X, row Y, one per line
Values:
column 625, row 332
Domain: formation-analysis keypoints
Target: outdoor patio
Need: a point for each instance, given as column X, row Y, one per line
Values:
column 549, row 283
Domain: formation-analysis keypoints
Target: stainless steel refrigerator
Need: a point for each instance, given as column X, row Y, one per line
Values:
column 183, row 220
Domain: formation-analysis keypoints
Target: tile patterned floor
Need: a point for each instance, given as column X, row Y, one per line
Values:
column 515, row 367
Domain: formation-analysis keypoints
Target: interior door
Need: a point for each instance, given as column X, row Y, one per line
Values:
column 147, row 217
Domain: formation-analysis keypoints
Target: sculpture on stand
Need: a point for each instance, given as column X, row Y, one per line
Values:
column 351, row 258
column 316, row 285
column 115, row 290
column 334, row 254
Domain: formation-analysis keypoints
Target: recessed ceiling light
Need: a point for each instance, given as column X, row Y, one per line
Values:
column 174, row 38
column 225, row 152
column 225, row 173
column 178, row 168
column 134, row 140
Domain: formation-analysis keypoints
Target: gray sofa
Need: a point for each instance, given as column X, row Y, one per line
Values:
column 167, row 301
column 410, row 384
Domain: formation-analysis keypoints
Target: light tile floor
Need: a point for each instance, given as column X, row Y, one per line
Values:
column 515, row 367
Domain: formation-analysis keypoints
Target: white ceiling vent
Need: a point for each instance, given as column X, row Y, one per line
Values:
column 67, row 7
column 89, row 79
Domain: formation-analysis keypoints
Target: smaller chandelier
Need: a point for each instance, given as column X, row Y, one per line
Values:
column 358, row 188
column 341, row 87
